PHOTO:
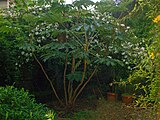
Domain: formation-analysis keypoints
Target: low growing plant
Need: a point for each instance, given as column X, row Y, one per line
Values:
column 20, row 105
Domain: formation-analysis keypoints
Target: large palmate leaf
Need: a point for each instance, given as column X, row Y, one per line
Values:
column 76, row 76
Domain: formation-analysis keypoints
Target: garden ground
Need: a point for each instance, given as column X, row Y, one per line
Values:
column 101, row 109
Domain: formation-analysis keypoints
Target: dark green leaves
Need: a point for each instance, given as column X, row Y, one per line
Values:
column 83, row 3
column 76, row 76
column 109, row 61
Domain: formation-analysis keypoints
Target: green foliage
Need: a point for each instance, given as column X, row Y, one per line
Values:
column 8, row 53
column 145, row 80
column 76, row 76
column 72, row 37
column 19, row 105
column 145, row 74
column 38, row 26
column 111, row 6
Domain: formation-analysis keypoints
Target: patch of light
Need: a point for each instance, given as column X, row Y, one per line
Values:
column 117, row 1
column 71, row 1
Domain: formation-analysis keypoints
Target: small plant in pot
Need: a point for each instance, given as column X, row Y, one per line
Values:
column 127, row 98
column 112, row 96
column 128, row 90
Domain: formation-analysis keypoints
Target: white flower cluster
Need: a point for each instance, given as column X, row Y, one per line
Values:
column 106, row 17
column 121, row 27
column 133, row 53
column 43, row 31
column 130, row 53
column 34, row 9
column 117, row 1
column 24, row 57
column 37, row 8
column 113, row 49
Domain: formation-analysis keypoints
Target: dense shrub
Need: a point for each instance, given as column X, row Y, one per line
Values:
column 19, row 105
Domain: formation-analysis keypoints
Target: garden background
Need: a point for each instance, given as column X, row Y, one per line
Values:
column 71, row 57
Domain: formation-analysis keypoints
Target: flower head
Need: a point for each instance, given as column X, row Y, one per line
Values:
column 152, row 55
column 157, row 19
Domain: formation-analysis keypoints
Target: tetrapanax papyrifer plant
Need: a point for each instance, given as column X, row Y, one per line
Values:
column 77, row 38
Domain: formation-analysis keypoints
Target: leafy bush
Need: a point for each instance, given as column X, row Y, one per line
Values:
column 77, row 43
column 19, row 105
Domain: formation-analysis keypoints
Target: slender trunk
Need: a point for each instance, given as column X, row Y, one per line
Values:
column 82, row 80
column 90, row 77
column 70, row 89
column 71, row 93
column 64, row 79
column 86, row 45
column 73, row 65
column 50, row 81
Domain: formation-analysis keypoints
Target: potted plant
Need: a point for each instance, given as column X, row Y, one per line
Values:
column 127, row 95
column 112, row 96
column 127, row 98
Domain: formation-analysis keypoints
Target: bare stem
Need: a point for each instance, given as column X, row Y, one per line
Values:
column 64, row 79
column 70, row 89
column 85, row 84
column 82, row 80
column 84, row 67
column 48, row 79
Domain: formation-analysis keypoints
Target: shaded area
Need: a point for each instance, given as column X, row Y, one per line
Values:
column 101, row 109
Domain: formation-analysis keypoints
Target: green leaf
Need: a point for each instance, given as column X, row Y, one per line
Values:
column 79, row 27
column 86, row 27
column 76, row 76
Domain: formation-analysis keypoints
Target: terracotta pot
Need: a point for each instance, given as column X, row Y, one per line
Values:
column 111, row 97
column 127, row 99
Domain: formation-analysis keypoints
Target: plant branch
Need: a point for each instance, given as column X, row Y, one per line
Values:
column 64, row 78
column 48, row 79
column 85, row 66
column 85, row 84
column 69, row 83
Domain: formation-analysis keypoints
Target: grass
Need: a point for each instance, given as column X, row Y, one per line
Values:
column 112, row 111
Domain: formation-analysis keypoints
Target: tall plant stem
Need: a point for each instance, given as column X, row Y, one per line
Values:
column 70, row 89
column 48, row 79
column 82, row 80
column 84, row 67
column 85, row 84
column 64, row 78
